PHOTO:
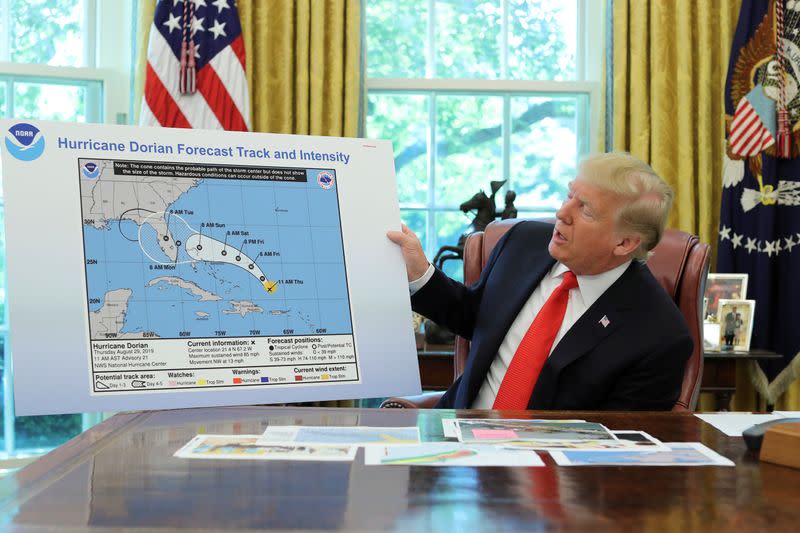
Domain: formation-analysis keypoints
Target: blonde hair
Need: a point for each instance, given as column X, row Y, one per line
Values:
column 647, row 198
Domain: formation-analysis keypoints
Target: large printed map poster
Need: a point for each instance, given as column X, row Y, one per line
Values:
column 159, row 268
column 232, row 280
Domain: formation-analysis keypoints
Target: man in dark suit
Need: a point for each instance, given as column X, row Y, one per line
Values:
column 617, row 341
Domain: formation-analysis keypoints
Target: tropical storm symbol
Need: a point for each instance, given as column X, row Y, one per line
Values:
column 181, row 237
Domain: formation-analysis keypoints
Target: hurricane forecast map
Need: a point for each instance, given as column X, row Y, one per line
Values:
column 203, row 276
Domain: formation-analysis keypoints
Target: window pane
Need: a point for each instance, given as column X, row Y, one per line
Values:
column 396, row 38
column 50, row 102
column 417, row 221
column 403, row 119
column 450, row 225
column 469, row 146
column 468, row 38
column 542, row 40
column 544, row 148
column 47, row 32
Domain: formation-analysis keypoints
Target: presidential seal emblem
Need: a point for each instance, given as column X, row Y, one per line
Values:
column 764, row 89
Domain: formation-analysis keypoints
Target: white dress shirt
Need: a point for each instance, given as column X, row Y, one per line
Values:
column 581, row 298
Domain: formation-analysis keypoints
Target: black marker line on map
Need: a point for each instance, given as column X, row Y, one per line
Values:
column 122, row 217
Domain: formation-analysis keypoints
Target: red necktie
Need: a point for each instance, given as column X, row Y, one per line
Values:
column 517, row 386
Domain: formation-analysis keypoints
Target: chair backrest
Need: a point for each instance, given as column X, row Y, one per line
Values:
column 680, row 264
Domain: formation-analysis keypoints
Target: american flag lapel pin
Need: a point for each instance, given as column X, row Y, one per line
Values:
column 605, row 321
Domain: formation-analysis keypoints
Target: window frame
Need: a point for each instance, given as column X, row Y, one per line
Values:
column 107, row 37
column 589, row 71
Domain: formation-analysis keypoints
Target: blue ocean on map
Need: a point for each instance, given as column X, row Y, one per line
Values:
column 291, row 231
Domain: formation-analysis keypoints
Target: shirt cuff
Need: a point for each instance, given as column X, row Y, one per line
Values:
column 417, row 284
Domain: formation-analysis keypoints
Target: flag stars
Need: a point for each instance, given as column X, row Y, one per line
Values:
column 174, row 23
column 752, row 245
column 197, row 25
column 199, row 3
column 725, row 233
column 220, row 5
column 769, row 248
column 789, row 243
column 736, row 240
column 218, row 29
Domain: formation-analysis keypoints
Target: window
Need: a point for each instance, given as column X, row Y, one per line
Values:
column 474, row 91
column 63, row 60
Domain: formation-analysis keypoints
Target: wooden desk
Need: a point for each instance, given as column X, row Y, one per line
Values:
column 121, row 476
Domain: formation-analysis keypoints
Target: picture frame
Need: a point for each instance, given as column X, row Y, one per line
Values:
column 711, row 336
column 723, row 286
column 735, row 319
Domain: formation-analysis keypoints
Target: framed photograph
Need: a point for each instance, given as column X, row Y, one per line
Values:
column 711, row 336
column 723, row 286
column 735, row 319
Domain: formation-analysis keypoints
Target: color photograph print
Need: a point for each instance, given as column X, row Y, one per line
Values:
column 723, row 286
column 735, row 318
column 480, row 430
column 248, row 447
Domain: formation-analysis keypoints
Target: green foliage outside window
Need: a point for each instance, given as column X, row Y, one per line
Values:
column 47, row 32
column 468, row 129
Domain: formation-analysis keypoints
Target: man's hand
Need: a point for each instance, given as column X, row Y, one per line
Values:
column 416, row 262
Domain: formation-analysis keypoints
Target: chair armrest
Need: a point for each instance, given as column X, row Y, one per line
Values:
column 680, row 408
column 422, row 401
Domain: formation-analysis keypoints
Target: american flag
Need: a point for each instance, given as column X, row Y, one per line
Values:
column 196, row 67
column 753, row 125
column 760, row 216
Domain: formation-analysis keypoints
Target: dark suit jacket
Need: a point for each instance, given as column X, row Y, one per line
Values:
column 636, row 362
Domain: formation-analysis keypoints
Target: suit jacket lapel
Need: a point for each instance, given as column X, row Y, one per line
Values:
column 598, row 322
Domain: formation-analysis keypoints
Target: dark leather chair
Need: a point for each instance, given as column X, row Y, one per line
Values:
column 680, row 263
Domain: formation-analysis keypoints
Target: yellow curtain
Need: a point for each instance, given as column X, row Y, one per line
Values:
column 303, row 64
column 670, row 62
column 303, row 67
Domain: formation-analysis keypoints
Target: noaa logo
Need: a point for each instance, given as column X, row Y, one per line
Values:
column 25, row 142
column 90, row 170
column 325, row 180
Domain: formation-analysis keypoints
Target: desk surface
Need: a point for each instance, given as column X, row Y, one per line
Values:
column 121, row 476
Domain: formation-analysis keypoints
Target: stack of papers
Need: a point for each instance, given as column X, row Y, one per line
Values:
column 472, row 442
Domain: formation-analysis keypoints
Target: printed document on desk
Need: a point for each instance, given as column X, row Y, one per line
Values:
column 243, row 447
column 732, row 424
column 679, row 454
column 155, row 268
column 448, row 454
column 341, row 435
